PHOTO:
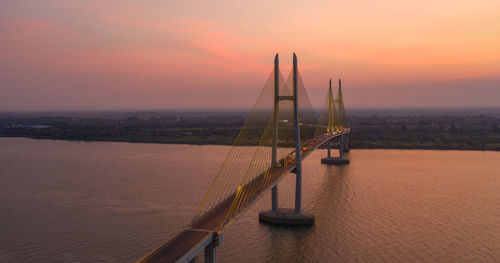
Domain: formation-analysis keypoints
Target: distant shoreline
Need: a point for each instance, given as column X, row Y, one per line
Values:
column 444, row 148
column 387, row 130
column 366, row 147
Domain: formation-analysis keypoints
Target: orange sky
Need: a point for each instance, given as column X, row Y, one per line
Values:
column 123, row 54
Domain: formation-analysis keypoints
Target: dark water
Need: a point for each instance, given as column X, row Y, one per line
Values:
column 113, row 202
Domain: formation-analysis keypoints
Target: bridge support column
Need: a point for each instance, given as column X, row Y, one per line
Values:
column 210, row 253
column 274, row 198
column 329, row 145
column 286, row 216
column 344, row 138
column 341, row 146
column 346, row 143
column 274, row 156
column 210, row 249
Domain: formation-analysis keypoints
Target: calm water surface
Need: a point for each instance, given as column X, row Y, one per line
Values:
column 113, row 202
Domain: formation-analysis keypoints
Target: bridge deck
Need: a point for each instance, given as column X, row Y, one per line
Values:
column 181, row 244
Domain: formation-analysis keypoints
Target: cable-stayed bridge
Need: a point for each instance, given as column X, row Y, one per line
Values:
column 280, row 131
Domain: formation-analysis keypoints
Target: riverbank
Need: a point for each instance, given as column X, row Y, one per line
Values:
column 370, row 129
column 221, row 143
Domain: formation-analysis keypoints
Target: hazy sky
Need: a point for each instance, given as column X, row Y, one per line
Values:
column 161, row 54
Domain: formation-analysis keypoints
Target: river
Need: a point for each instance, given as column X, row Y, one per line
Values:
column 63, row 201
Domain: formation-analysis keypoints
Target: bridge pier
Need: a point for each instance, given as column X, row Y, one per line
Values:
column 287, row 216
column 337, row 160
column 344, row 138
column 210, row 253
column 346, row 144
column 274, row 198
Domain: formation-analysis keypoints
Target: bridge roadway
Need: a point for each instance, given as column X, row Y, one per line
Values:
column 201, row 232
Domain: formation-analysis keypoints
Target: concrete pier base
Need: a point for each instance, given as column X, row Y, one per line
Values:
column 334, row 161
column 287, row 217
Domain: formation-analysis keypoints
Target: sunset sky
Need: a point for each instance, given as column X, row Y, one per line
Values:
column 161, row 54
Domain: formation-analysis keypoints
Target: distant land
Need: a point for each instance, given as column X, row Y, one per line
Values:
column 391, row 128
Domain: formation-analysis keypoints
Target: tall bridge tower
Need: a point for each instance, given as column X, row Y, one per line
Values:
column 337, row 125
column 287, row 216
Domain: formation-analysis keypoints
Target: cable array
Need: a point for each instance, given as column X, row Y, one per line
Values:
column 329, row 120
column 248, row 168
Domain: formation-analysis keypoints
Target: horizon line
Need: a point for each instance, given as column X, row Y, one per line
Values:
column 241, row 109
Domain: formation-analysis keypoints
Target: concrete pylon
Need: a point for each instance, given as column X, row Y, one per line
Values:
column 287, row 216
column 274, row 157
column 343, row 137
